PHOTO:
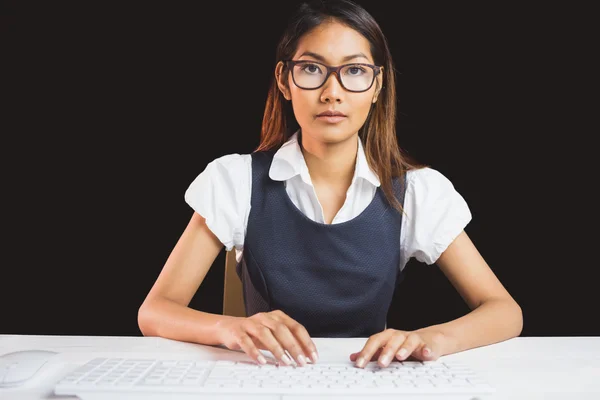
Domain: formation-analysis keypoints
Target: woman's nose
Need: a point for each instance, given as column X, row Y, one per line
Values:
column 332, row 90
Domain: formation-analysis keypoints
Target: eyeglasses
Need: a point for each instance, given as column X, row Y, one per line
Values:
column 310, row 75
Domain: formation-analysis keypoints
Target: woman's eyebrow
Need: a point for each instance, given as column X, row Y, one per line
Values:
column 321, row 58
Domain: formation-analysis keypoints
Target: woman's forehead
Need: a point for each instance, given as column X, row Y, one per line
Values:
column 334, row 43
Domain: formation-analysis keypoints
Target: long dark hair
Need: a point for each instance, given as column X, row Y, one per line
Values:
column 378, row 134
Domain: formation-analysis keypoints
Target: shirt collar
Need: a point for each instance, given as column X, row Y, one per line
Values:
column 289, row 161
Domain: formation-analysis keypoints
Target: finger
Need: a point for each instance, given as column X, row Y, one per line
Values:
column 388, row 353
column 427, row 352
column 413, row 342
column 374, row 357
column 266, row 337
column 261, row 346
column 288, row 340
column 303, row 337
column 374, row 343
column 276, row 321
column 247, row 345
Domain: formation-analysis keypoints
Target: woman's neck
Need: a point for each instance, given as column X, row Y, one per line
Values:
column 331, row 164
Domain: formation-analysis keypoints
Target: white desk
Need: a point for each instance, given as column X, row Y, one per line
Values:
column 520, row 368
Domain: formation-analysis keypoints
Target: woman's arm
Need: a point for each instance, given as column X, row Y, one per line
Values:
column 495, row 315
column 165, row 310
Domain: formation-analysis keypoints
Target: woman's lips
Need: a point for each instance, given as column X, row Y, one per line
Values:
column 331, row 119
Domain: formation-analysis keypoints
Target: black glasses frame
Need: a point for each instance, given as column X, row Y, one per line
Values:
column 330, row 70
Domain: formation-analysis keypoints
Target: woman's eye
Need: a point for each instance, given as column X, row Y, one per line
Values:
column 310, row 68
column 355, row 70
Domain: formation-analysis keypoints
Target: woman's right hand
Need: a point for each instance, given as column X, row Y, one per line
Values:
column 273, row 331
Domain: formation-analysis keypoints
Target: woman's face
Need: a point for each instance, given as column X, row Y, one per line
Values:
column 331, row 44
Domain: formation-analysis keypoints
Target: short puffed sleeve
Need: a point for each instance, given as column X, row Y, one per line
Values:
column 435, row 215
column 221, row 194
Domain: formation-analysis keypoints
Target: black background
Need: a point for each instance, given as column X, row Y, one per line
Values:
column 110, row 110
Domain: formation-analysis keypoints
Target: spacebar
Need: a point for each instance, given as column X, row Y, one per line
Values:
column 177, row 396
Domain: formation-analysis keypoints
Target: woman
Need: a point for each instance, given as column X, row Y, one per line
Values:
column 325, row 214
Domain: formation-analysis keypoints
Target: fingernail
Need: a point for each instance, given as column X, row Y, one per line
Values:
column 301, row 360
column 402, row 353
column 262, row 360
column 286, row 360
column 360, row 362
column 314, row 357
column 385, row 360
column 426, row 351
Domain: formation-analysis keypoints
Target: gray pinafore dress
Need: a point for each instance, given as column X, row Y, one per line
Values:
column 337, row 280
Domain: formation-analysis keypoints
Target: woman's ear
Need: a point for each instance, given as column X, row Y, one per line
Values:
column 378, row 85
column 281, row 83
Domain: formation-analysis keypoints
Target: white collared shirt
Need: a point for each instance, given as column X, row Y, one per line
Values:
column 435, row 212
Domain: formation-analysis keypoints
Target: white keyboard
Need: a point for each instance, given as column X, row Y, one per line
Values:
column 125, row 375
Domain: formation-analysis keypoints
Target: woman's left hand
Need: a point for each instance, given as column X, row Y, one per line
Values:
column 423, row 344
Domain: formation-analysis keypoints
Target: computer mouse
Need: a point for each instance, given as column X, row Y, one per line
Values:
column 18, row 367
